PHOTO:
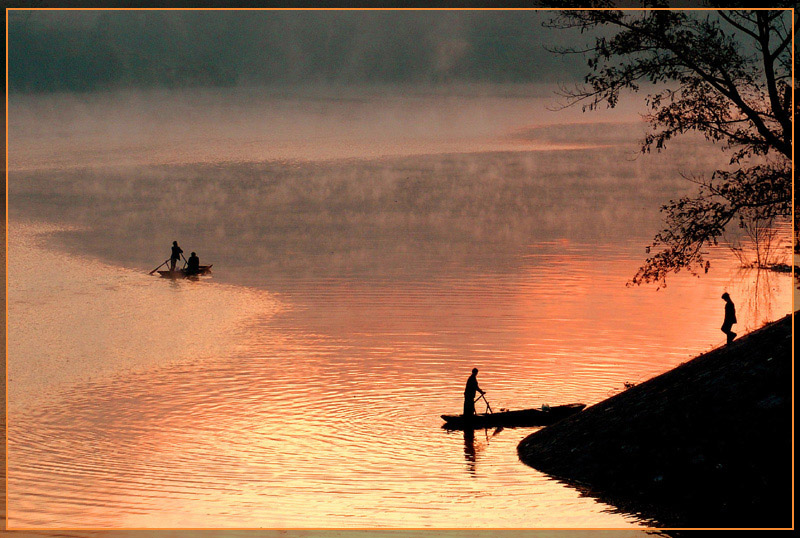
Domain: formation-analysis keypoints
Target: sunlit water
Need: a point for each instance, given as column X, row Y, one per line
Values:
column 301, row 385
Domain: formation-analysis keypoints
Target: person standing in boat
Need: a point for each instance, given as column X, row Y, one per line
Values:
column 175, row 256
column 469, row 393
column 193, row 264
column 730, row 318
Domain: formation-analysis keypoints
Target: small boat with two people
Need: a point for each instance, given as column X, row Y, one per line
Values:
column 190, row 269
column 184, row 273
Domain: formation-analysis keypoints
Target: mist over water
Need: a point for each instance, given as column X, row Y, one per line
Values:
column 255, row 123
column 369, row 249
column 316, row 183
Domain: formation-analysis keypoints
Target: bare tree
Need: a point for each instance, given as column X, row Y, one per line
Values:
column 726, row 74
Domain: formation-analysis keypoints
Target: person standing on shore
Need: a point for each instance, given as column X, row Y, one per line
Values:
column 469, row 394
column 730, row 318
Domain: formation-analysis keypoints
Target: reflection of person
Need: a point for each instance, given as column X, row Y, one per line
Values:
column 193, row 264
column 730, row 318
column 469, row 393
column 470, row 454
column 175, row 256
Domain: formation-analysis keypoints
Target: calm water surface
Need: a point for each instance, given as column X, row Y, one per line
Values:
column 301, row 385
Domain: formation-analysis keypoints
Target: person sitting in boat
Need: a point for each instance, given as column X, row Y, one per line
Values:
column 193, row 264
column 469, row 393
column 175, row 256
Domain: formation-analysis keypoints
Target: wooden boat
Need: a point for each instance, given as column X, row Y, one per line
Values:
column 512, row 419
column 182, row 273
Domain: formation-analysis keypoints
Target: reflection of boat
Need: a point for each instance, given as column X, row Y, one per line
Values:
column 512, row 419
column 183, row 273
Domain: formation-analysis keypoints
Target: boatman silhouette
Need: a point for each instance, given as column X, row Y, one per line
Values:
column 469, row 393
column 175, row 256
column 730, row 318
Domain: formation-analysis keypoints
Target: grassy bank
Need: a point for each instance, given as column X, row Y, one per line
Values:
column 707, row 444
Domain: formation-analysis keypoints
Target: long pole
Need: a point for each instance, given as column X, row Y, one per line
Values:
column 487, row 402
column 157, row 268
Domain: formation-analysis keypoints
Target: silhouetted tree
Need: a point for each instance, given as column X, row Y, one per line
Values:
column 723, row 73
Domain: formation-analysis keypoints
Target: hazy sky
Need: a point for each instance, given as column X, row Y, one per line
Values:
column 87, row 50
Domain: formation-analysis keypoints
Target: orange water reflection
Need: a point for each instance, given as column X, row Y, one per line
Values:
column 320, row 408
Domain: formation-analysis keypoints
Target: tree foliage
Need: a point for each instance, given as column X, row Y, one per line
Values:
column 726, row 74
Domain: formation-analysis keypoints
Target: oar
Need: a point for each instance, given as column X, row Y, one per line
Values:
column 159, row 267
column 185, row 261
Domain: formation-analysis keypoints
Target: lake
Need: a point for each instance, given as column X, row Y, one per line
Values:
column 369, row 248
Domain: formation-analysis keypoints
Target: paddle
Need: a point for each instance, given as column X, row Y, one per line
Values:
column 157, row 268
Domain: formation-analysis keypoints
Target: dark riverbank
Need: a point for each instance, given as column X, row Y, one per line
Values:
column 707, row 444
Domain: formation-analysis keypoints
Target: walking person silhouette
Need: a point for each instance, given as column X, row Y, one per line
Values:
column 730, row 318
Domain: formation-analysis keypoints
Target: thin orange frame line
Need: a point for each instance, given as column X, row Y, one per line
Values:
column 791, row 10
